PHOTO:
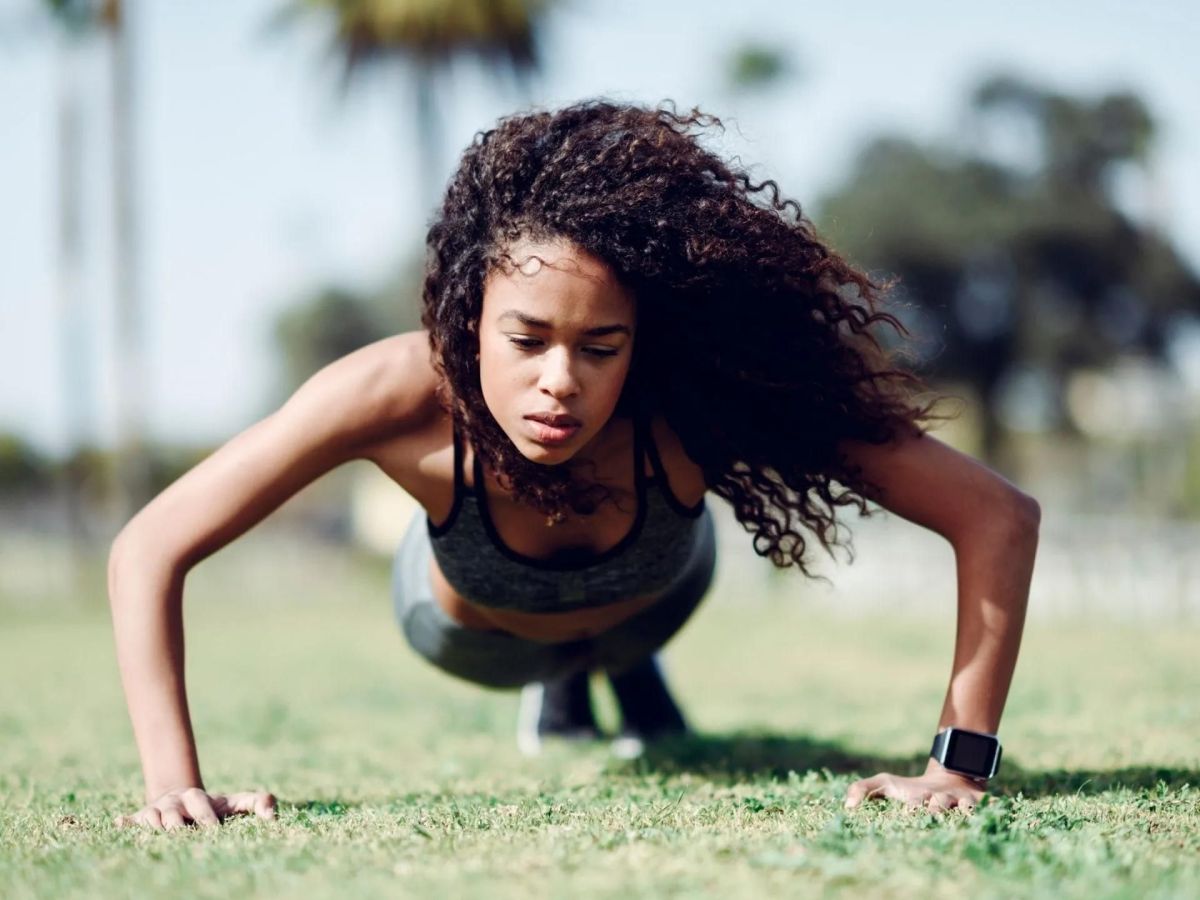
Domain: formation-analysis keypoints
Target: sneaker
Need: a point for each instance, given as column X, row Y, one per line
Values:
column 561, row 708
column 648, row 711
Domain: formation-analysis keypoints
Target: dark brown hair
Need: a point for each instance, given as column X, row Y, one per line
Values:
column 754, row 339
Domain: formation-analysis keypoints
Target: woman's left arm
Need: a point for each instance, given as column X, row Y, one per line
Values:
column 993, row 528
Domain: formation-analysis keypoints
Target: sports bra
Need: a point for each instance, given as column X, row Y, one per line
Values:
column 647, row 561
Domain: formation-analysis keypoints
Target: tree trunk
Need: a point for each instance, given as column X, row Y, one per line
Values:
column 132, row 468
column 75, row 356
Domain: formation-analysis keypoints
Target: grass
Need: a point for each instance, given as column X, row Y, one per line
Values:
column 394, row 779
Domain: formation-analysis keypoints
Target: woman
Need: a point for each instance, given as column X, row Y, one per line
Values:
column 614, row 327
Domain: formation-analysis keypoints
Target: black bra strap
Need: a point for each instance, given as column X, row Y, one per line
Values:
column 641, row 431
column 459, row 481
column 664, row 483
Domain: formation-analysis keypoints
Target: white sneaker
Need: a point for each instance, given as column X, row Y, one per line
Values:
column 627, row 746
column 529, row 742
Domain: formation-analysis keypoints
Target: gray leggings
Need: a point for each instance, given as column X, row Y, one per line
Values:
column 498, row 659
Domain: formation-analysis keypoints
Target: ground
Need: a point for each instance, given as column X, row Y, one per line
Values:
column 395, row 780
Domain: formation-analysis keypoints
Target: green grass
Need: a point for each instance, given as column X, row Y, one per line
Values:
column 393, row 779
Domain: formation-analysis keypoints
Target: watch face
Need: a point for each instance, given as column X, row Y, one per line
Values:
column 971, row 753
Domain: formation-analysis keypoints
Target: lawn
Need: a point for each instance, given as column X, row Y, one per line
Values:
column 393, row 779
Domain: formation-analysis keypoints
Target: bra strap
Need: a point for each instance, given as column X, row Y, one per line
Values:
column 664, row 483
column 459, row 481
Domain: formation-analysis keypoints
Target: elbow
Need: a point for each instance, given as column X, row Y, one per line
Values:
column 1027, row 513
column 119, row 554
column 133, row 556
column 1021, row 519
column 1012, row 520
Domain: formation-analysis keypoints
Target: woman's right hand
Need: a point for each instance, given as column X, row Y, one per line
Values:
column 193, row 805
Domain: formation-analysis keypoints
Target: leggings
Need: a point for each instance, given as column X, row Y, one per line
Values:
column 497, row 659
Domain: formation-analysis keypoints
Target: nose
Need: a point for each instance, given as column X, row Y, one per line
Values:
column 557, row 377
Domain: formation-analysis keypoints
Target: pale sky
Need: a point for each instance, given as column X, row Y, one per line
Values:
column 257, row 184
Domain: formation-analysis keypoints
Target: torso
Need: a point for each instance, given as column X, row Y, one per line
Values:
column 422, row 462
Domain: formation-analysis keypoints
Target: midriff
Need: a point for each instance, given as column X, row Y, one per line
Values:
column 571, row 625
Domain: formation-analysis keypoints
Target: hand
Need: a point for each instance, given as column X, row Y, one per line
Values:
column 938, row 789
column 193, row 805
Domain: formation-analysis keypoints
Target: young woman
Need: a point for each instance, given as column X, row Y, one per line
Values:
column 617, row 322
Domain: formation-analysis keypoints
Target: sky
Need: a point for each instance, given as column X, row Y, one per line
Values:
column 258, row 181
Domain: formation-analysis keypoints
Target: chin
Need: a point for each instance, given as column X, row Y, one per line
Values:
column 546, row 456
column 542, row 454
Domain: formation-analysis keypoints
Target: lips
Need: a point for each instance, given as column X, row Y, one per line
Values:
column 556, row 420
column 552, row 429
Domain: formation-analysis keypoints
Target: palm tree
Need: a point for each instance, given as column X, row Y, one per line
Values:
column 133, row 470
column 72, row 23
column 78, row 21
column 423, row 37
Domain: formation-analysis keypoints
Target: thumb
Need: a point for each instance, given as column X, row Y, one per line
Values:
column 860, row 790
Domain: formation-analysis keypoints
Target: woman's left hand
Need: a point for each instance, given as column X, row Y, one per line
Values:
column 937, row 790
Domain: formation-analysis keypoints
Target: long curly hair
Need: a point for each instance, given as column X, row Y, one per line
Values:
column 754, row 339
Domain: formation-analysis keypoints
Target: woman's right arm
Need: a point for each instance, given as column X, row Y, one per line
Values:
column 384, row 389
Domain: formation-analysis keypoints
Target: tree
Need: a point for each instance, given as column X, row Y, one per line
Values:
column 1021, row 261
column 422, row 39
column 78, row 21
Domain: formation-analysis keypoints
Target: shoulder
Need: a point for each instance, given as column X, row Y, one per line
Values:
column 385, row 389
column 684, row 475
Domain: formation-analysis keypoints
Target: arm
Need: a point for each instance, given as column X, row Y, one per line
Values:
column 383, row 388
column 993, row 528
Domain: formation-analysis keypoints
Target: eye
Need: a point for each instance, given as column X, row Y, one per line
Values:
column 525, row 343
column 600, row 351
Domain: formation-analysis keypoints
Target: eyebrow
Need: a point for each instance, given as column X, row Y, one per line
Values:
column 532, row 322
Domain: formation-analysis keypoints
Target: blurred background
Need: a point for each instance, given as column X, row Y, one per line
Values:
column 205, row 203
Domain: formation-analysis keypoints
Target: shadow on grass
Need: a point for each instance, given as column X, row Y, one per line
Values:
column 732, row 757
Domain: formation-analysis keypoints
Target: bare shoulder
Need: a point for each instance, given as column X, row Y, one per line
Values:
column 393, row 384
column 684, row 475
column 337, row 415
column 412, row 438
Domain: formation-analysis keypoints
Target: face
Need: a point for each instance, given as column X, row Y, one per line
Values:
column 555, row 340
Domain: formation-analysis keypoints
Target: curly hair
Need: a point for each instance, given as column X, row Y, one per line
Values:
column 754, row 338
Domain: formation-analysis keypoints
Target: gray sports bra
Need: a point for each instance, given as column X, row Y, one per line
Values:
column 648, row 560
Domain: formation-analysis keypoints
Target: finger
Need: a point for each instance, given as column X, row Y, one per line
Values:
column 863, row 789
column 261, row 803
column 150, row 816
column 172, row 818
column 198, row 806
column 220, row 805
column 941, row 801
column 917, row 798
column 264, row 805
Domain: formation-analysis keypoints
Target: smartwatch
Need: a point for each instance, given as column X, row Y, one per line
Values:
column 971, row 753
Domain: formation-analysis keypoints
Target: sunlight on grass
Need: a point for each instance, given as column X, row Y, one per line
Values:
column 393, row 778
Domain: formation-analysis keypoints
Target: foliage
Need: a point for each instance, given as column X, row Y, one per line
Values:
column 1012, row 245
column 336, row 320
column 752, row 66
column 366, row 32
column 22, row 467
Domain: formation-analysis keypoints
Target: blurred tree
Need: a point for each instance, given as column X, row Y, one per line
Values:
column 133, row 458
column 78, row 21
column 73, row 22
column 22, row 469
column 423, row 38
column 337, row 320
column 1016, row 262
column 753, row 66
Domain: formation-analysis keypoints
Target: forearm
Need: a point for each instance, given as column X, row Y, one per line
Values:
column 995, row 567
column 146, row 598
